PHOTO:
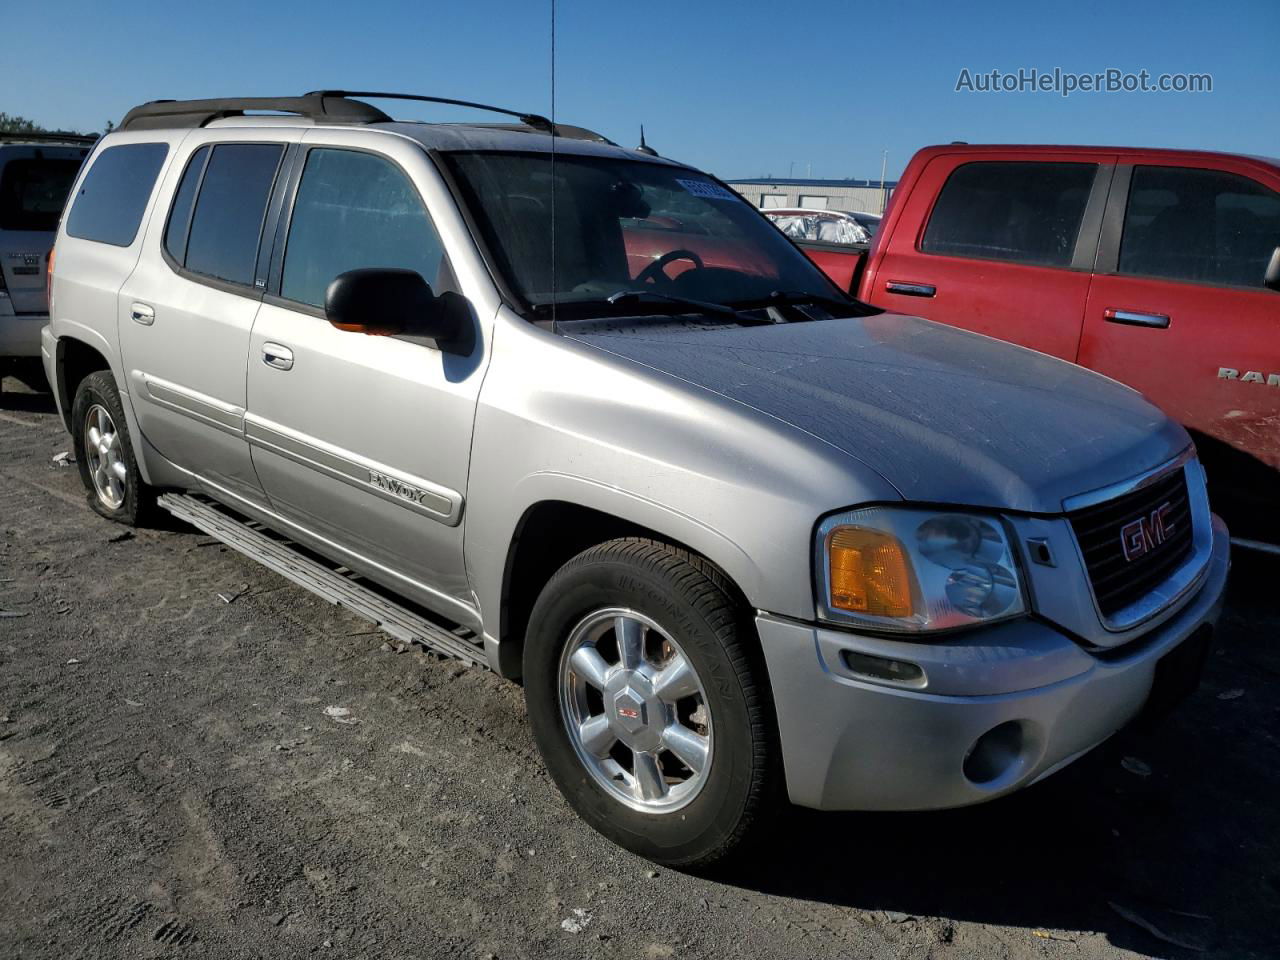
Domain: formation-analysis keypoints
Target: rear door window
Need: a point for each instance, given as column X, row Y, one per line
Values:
column 226, row 226
column 355, row 210
column 1017, row 212
column 1205, row 226
column 184, row 204
column 113, row 195
column 33, row 191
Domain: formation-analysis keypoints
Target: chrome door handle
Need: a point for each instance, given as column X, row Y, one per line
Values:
column 142, row 314
column 1136, row 319
column 274, row 355
column 908, row 289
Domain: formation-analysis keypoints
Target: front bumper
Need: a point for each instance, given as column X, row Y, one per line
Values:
column 853, row 744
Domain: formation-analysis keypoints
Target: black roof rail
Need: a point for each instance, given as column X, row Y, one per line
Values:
column 332, row 106
column 51, row 136
column 535, row 120
column 197, row 113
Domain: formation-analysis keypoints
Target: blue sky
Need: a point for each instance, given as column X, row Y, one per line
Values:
column 739, row 88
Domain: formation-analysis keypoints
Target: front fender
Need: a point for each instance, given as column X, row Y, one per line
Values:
column 563, row 421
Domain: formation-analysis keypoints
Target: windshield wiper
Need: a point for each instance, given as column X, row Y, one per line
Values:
column 705, row 306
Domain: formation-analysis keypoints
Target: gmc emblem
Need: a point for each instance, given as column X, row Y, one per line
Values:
column 1139, row 537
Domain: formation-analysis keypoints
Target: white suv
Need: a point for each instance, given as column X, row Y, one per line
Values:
column 593, row 422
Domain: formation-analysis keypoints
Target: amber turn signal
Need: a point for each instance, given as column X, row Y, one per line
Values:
column 870, row 573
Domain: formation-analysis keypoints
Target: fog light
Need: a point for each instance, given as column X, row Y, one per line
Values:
column 1000, row 754
column 883, row 668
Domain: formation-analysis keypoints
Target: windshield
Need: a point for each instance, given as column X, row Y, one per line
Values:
column 626, row 225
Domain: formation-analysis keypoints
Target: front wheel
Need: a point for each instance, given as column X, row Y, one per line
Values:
column 648, row 704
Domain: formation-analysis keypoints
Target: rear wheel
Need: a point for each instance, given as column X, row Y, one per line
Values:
column 646, row 702
column 104, row 453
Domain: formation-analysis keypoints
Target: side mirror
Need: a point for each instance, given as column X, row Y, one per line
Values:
column 1271, row 279
column 384, row 302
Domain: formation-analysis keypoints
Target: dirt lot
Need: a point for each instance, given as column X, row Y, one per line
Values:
column 170, row 785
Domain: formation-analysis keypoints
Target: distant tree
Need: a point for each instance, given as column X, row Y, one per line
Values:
column 21, row 126
column 111, row 125
column 12, row 124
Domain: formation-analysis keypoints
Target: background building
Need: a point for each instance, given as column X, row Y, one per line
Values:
column 869, row 196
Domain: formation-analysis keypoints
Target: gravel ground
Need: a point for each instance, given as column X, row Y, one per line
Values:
column 171, row 785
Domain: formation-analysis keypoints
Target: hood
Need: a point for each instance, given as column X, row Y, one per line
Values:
column 944, row 415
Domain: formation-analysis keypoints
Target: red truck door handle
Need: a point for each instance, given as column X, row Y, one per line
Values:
column 909, row 289
column 1135, row 319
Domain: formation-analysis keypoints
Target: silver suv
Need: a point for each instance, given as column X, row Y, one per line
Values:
column 36, row 172
column 741, row 537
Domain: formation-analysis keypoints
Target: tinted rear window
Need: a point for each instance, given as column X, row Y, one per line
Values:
column 1205, row 226
column 184, row 201
column 227, row 223
column 1019, row 212
column 113, row 195
column 33, row 190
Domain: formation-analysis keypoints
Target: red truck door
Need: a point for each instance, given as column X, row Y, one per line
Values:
column 999, row 244
column 1177, row 308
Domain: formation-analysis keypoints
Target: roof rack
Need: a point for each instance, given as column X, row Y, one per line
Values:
column 535, row 120
column 198, row 113
column 324, row 106
column 51, row 136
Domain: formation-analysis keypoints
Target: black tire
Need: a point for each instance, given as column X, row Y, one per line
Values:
column 138, row 502
column 690, row 600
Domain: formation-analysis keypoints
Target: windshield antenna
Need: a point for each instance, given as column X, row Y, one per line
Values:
column 554, row 293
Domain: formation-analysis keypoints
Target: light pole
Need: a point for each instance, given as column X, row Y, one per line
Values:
column 884, row 191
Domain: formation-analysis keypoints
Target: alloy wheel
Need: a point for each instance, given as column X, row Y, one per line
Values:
column 104, row 457
column 635, row 710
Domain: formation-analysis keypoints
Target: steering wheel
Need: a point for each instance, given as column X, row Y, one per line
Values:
column 655, row 271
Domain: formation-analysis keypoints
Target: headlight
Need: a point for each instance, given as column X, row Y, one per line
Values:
column 910, row 570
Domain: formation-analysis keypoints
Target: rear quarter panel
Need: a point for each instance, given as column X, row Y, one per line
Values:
column 88, row 276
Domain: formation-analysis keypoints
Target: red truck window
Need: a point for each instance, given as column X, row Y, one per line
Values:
column 1017, row 212
column 1205, row 226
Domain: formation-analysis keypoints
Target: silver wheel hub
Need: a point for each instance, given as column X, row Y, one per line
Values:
column 635, row 710
column 104, row 457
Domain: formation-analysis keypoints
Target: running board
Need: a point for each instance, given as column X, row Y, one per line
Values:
column 330, row 582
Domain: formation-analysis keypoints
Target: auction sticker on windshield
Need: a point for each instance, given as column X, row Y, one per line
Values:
column 703, row 188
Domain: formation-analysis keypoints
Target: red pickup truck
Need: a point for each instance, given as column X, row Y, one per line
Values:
column 1159, row 268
